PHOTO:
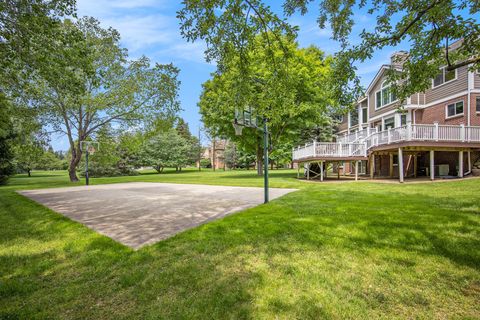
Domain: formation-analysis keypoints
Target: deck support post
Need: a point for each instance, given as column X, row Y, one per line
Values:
column 308, row 170
column 298, row 169
column 372, row 166
column 460, row 164
column 469, row 161
column 338, row 169
column 356, row 170
column 321, row 170
column 400, row 164
column 432, row 165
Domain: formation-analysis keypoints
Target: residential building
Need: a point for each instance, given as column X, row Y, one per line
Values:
column 215, row 152
column 434, row 133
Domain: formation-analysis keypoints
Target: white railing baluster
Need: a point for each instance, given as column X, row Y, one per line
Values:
column 419, row 132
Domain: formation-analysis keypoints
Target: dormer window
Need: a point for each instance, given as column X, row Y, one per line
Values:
column 444, row 76
column 384, row 96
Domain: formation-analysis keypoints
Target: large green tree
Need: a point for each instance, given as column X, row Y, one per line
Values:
column 166, row 149
column 292, row 97
column 28, row 153
column 28, row 34
column 428, row 26
column 108, row 87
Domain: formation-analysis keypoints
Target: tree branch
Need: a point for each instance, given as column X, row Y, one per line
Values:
column 400, row 34
column 463, row 63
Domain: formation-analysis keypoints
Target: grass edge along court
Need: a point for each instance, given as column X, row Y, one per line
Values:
column 329, row 251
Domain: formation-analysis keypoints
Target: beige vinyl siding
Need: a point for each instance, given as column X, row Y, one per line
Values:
column 476, row 80
column 417, row 98
column 344, row 124
column 372, row 101
column 414, row 98
column 448, row 89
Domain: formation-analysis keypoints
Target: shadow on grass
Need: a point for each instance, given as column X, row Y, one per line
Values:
column 301, row 256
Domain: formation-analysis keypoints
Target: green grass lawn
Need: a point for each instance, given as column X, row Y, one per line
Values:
column 329, row 251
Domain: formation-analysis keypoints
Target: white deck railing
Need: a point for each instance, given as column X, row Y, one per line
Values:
column 357, row 136
column 415, row 132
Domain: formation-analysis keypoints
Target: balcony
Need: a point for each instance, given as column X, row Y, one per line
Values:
column 418, row 134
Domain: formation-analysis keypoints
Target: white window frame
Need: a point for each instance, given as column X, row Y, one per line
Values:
column 364, row 121
column 456, row 114
column 444, row 82
column 384, row 128
column 383, row 87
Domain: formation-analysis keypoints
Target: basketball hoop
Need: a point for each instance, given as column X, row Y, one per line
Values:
column 89, row 146
column 238, row 128
column 91, row 150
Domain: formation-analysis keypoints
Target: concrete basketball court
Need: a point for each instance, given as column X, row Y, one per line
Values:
column 141, row 213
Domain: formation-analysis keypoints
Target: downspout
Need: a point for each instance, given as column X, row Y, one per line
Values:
column 470, row 78
column 470, row 87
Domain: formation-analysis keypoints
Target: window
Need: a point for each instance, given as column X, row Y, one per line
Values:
column 389, row 123
column 353, row 118
column 444, row 76
column 365, row 114
column 403, row 119
column 477, row 108
column 384, row 96
column 455, row 109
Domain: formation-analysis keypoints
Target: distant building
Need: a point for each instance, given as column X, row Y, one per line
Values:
column 216, row 153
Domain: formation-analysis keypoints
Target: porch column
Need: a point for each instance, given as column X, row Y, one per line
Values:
column 321, row 170
column 400, row 164
column 356, row 170
column 432, row 165
column 469, row 160
column 460, row 164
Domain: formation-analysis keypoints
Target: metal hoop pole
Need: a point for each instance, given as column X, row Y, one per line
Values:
column 265, row 160
column 86, row 168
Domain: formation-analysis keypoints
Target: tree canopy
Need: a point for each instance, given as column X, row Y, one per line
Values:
column 429, row 27
column 109, row 88
column 294, row 97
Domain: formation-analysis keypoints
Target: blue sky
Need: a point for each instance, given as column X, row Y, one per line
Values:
column 150, row 27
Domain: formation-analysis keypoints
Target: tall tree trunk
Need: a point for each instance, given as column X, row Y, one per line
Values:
column 72, row 168
column 29, row 172
column 259, row 159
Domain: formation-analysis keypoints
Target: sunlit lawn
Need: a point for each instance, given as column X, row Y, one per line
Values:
column 334, row 251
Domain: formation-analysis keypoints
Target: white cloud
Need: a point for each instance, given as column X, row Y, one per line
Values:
column 105, row 8
column 146, row 27
column 140, row 32
column 187, row 51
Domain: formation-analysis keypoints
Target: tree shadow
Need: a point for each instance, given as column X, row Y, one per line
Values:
column 227, row 268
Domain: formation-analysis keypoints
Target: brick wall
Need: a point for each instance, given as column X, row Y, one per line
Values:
column 474, row 116
column 436, row 113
